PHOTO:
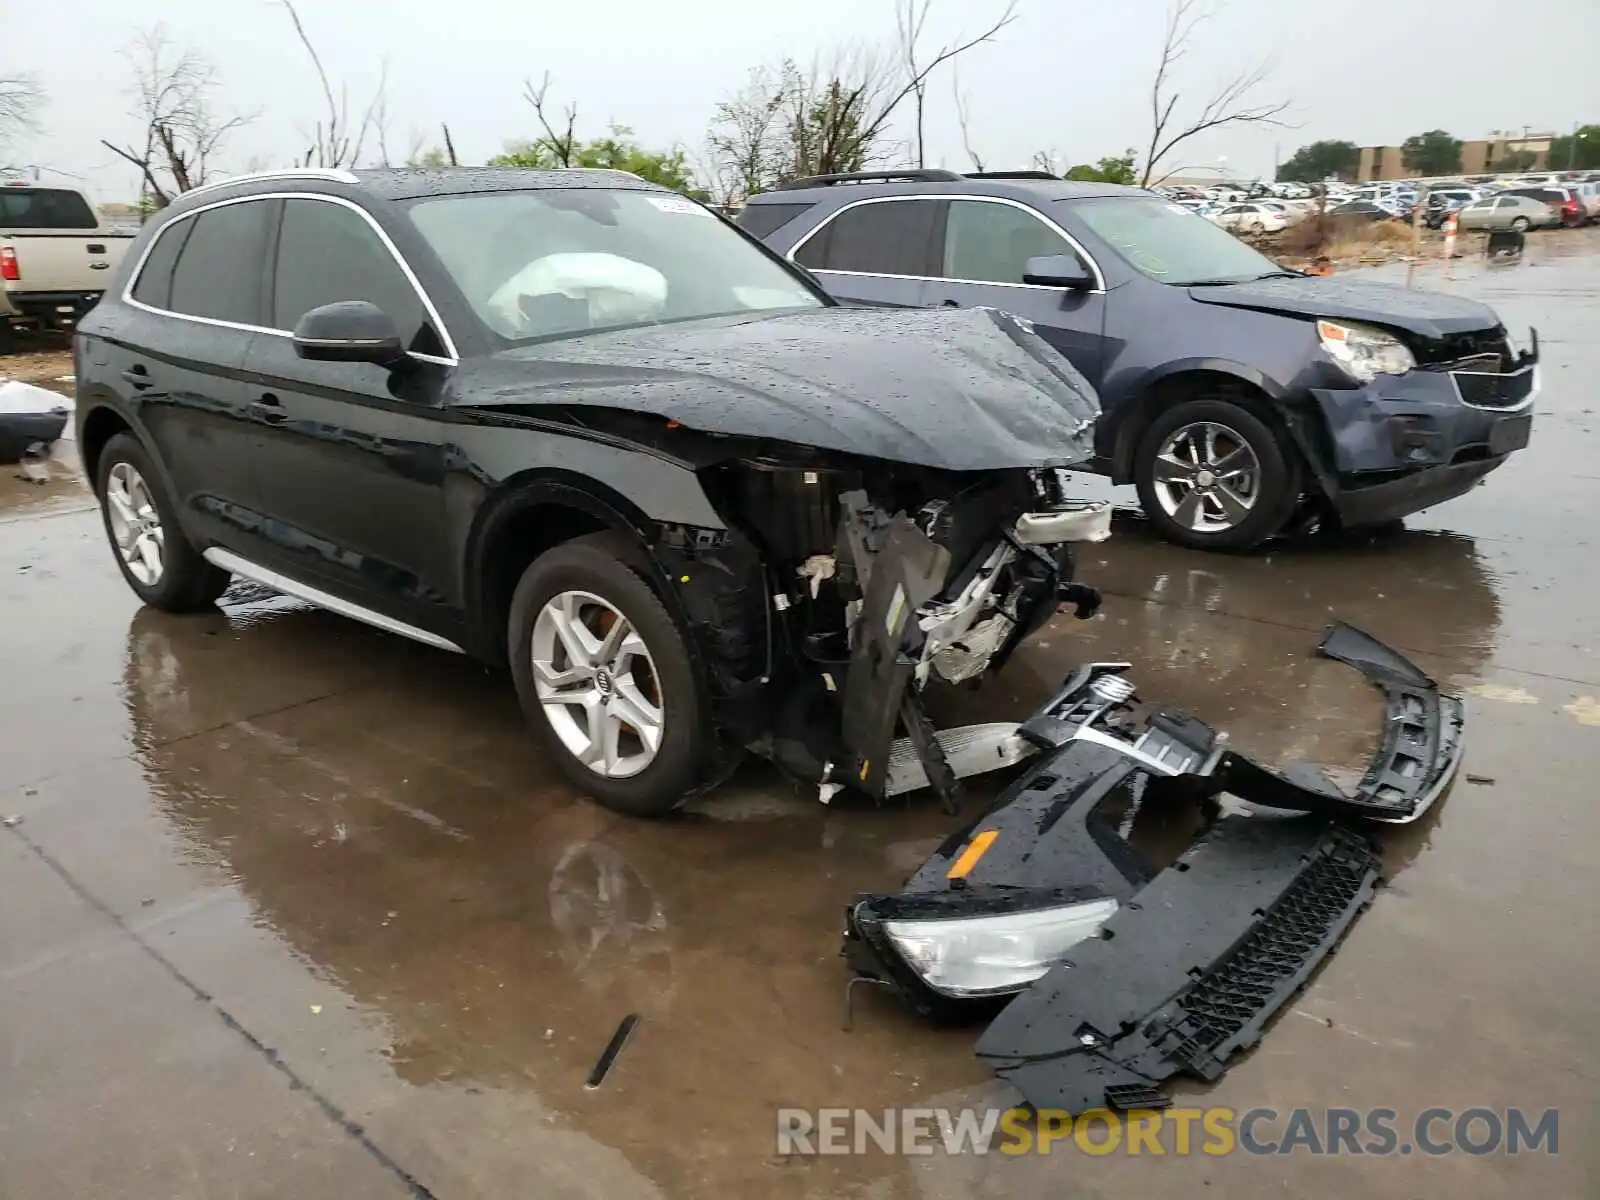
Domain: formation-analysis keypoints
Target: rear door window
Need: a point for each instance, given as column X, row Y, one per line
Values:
column 885, row 237
column 328, row 253
column 992, row 243
column 44, row 208
column 218, row 275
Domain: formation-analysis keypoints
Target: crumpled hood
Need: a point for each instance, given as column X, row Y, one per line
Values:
column 1426, row 314
column 962, row 390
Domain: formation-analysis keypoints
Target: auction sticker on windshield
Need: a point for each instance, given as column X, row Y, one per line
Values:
column 678, row 204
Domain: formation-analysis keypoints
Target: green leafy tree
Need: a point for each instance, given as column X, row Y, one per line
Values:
column 1111, row 169
column 1431, row 153
column 617, row 152
column 1322, row 160
column 1576, row 151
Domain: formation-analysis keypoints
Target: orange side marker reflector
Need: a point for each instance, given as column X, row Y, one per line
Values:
column 975, row 850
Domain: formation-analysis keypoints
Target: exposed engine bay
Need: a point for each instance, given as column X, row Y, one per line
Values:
column 850, row 589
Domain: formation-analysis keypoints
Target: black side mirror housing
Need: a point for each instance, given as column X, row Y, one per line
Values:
column 1058, row 270
column 348, row 331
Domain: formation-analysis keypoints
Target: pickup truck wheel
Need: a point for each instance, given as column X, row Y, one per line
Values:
column 605, row 678
column 141, row 520
column 1212, row 475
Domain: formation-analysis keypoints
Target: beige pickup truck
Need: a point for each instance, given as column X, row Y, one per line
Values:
column 56, row 256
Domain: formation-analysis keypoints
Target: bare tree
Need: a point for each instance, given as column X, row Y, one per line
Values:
column 745, row 144
column 335, row 141
column 20, row 99
column 560, row 138
column 961, row 120
column 909, row 17
column 181, row 133
column 1230, row 104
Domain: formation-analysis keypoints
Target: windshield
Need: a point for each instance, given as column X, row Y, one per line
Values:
column 557, row 262
column 1169, row 243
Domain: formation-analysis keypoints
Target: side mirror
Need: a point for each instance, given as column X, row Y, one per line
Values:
column 348, row 331
column 1058, row 270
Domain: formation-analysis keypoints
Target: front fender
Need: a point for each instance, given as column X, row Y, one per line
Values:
column 1122, row 423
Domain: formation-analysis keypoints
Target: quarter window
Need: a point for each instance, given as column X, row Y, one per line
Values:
column 218, row 274
column 992, row 243
column 154, row 286
column 890, row 237
column 328, row 253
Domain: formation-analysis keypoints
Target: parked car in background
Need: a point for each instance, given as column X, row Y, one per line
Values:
column 1565, row 200
column 1363, row 210
column 1588, row 193
column 55, row 258
column 1507, row 211
column 1255, row 217
column 1236, row 394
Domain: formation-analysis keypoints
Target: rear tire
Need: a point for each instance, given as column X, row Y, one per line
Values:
column 1246, row 499
column 591, row 680
column 1521, row 224
column 141, row 522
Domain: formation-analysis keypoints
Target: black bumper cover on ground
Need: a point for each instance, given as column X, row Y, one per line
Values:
column 1201, row 955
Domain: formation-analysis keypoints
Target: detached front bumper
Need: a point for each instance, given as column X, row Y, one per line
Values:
column 1405, row 442
column 1115, row 977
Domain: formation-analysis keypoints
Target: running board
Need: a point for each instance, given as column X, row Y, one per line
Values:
column 970, row 750
column 228, row 561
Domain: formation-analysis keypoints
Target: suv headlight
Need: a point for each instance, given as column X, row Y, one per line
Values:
column 994, row 955
column 1365, row 351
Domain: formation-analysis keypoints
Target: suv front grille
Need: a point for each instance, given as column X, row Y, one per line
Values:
column 1492, row 389
column 1478, row 350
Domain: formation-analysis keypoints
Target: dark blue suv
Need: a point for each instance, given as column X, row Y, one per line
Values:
column 1237, row 395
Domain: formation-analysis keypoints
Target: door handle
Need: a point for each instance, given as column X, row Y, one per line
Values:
column 950, row 303
column 138, row 377
column 268, row 408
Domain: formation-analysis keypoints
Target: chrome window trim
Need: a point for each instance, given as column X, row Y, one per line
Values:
column 451, row 360
column 1100, row 279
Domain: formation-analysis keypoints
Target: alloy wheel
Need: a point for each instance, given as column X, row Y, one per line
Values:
column 135, row 524
column 1206, row 477
column 594, row 676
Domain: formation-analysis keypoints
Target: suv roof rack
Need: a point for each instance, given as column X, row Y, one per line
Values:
column 1012, row 175
column 908, row 174
column 334, row 173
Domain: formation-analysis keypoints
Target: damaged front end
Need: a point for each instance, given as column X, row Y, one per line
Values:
column 850, row 586
column 1116, row 977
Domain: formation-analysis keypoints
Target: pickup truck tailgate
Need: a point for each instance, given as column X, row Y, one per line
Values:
column 64, row 262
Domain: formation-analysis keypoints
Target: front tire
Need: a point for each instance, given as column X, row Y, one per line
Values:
column 606, row 680
column 1212, row 475
column 141, row 521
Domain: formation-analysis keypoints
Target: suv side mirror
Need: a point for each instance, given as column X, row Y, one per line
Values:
column 1058, row 270
column 348, row 331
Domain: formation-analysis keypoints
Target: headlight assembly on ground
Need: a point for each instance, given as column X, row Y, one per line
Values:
column 993, row 955
column 1365, row 351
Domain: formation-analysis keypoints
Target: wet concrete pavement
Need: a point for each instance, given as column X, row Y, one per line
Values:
column 293, row 907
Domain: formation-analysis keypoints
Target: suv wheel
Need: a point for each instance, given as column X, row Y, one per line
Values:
column 141, row 520
column 1520, row 224
column 605, row 678
column 1212, row 475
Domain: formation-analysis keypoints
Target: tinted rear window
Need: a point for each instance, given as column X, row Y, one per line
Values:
column 44, row 208
column 758, row 220
column 219, row 272
column 888, row 237
column 154, row 286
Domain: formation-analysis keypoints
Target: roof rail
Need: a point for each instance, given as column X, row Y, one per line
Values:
column 909, row 175
column 336, row 174
column 1012, row 175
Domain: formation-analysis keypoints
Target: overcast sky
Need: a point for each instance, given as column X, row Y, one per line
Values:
column 1070, row 75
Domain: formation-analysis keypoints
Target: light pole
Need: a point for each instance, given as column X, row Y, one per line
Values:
column 1572, row 147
